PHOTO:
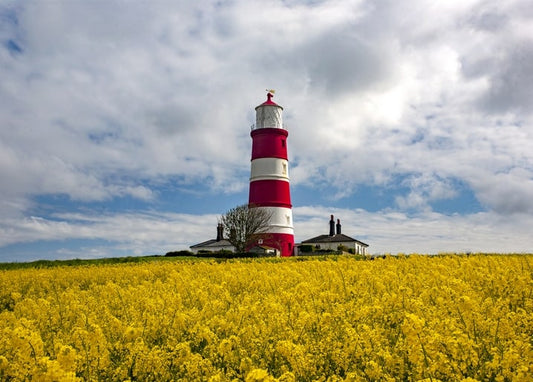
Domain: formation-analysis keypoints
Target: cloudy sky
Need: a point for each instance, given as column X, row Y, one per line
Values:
column 124, row 125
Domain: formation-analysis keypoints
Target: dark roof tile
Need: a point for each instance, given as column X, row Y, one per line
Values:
column 213, row 243
column 339, row 238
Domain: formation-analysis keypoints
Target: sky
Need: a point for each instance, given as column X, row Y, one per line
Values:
column 125, row 125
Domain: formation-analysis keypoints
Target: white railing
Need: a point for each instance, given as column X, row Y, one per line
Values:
column 284, row 127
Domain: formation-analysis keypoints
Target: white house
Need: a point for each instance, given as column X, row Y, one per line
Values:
column 214, row 245
column 336, row 239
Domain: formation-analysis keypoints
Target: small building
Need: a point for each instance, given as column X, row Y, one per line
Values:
column 214, row 245
column 335, row 239
column 264, row 250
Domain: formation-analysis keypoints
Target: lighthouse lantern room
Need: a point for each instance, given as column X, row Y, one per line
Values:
column 269, row 177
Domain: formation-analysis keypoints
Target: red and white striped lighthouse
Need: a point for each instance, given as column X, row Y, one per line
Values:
column 269, row 178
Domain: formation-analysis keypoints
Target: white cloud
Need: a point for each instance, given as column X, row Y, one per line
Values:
column 425, row 188
column 425, row 232
column 136, row 231
column 102, row 100
column 142, row 233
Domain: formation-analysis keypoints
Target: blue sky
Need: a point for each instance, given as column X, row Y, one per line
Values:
column 124, row 126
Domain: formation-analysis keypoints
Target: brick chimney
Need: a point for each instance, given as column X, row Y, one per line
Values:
column 220, row 232
column 332, row 226
column 338, row 226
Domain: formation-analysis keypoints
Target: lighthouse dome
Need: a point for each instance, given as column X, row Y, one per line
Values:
column 268, row 114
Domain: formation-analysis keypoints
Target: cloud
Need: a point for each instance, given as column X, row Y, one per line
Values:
column 150, row 232
column 423, row 232
column 507, row 193
column 340, row 62
column 93, row 100
column 425, row 188
column 102, row 102
column 511, row 86
column 140, row 232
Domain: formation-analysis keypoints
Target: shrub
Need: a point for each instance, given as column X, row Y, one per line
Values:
column 179, row 253
column 306, row 248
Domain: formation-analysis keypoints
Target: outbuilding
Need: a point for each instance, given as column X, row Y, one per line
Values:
column 214, row 245
column 336, row 239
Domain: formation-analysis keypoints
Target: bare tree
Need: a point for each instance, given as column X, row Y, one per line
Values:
column 246, row 224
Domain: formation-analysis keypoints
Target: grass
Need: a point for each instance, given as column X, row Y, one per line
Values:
column 91, row 262
column 39, row 264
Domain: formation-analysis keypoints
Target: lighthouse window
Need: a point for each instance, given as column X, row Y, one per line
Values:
column 283, row 143
column 284, row 169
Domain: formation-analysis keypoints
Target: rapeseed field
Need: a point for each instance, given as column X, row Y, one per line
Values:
column 407, row 318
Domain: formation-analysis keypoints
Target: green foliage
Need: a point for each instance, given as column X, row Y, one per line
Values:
column 343, row 248
column 306, row 248
column 179, row 253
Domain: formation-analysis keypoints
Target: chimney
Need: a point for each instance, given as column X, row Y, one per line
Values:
column 338, row 226
column 332, row 226
column 220, row 232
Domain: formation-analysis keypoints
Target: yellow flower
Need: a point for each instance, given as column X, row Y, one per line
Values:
column 259, row 375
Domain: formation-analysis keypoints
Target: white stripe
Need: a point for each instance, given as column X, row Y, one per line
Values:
column 269, row 168
column 280, row 220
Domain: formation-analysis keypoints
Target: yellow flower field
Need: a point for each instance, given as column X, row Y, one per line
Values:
column 445, row 318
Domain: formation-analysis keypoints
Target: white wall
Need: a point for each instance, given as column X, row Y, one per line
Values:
column 213, row 248
column 281, row 220
column 358, row 248
column 269, row 168
column 268, row 116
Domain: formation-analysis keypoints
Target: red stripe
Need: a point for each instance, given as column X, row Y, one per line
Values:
column 283, row 242
column 269, row 143
column 274, row 193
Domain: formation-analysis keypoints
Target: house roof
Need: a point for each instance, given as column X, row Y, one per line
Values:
column 339, row 238
column 213, row 243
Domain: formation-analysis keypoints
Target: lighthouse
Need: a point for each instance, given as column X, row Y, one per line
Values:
column 269, row 176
